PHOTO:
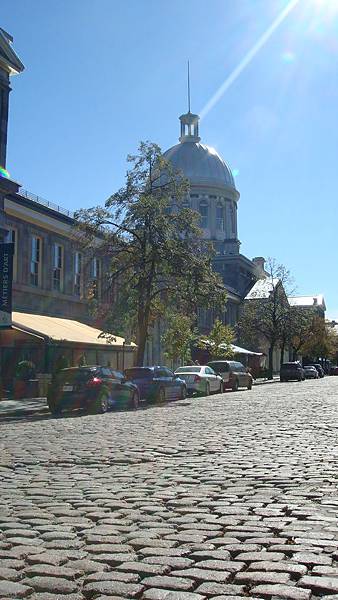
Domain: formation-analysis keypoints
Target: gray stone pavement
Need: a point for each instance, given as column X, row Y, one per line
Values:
column 226, row 497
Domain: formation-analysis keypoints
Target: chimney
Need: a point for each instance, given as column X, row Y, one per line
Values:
column 259, row 263
column 315, row 301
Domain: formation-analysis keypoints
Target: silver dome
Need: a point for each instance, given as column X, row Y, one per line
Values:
column 201, row 164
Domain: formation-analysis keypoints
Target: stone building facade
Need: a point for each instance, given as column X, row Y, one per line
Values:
column 52, row 275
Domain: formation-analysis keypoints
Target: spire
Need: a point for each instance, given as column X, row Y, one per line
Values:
column 189, row 121
column 188, row 86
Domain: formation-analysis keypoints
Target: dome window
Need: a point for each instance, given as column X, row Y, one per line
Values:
column 220, row 217
column 204, row 212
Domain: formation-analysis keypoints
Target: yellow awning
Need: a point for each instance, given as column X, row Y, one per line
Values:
column 59, row 330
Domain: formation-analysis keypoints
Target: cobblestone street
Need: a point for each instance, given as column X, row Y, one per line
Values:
column 223, row 497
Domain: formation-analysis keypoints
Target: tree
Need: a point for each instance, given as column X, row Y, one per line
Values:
column 219, row 341
column 157, row 257
column 301, row 327
column 321, row 340
column 265, row 312
column 178, row 336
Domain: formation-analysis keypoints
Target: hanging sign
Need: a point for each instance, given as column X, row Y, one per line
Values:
column 6, row 280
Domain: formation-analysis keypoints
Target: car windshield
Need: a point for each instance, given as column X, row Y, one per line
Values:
column 138, row 373
column 188, row 370
column 75, row 375
column 310, row 368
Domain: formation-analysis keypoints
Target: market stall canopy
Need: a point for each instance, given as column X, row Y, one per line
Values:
column 239, row 350
column 64, row 330
column 235, row 349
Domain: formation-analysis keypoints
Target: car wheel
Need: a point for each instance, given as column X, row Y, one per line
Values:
column 183, row 393
column 207, row 389
column 161, row 395
column 56, row 412
column 134, row 401
column 235, row 386
column 100, row 404
column 53, row 408
column 249, row 386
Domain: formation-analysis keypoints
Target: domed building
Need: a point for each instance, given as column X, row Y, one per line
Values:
column 214, row 195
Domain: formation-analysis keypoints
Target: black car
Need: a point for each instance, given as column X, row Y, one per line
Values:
column 320, row 369
column 292, row 371
column 95, row 389
column 157, row 383
column 310, row 372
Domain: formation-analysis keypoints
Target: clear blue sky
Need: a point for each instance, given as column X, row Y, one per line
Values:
column 101, row 76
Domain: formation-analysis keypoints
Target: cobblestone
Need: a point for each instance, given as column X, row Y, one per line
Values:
column 222, row 498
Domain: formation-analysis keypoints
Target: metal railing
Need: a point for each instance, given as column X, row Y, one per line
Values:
column 43, row 202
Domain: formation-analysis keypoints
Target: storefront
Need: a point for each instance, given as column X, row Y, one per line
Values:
column 52, row 342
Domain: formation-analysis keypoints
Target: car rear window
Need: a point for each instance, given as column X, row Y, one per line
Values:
column 188, row 370
column 219, row 367
column 75, row 375
column 138, row 373
column 290, row 366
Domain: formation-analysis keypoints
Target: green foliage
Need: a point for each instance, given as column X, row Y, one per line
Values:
column 153, row 245
column 60, row 363
column 219, row 341
column 321, row 341
column 178, row 336
column 82, row 362
column 25, row 370
column 265, row 315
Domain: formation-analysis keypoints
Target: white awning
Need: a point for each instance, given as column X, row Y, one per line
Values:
column 64, row 330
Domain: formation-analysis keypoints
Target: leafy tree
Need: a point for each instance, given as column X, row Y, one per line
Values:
column 178, row 336
column 321, row 341
column 295, row 328
column 219, row 341
column 265, row 314
column 301, row 327
column 154, row 249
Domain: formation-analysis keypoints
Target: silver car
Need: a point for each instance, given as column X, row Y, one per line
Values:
column 201, row 379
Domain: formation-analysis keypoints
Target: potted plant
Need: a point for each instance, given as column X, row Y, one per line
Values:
column 25, row 371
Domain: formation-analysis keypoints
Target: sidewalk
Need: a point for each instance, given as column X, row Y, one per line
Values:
column 262, row 381
column 23, row 407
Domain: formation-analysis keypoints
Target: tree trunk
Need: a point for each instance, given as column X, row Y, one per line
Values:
column 141, row 340
column 282, row 350
column 270, row 367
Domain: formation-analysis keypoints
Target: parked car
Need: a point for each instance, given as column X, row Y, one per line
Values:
column 292, row 371
column 310, row 372
column 334, row 370
column 233, row 373
column 319, row 368
column 157, row 383
column 200, row 379
column 95, row 389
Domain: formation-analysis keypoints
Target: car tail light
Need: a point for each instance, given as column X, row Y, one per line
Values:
column 94, row 382
column 197, row 379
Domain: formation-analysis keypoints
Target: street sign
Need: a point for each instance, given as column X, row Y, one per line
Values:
column 6, row 279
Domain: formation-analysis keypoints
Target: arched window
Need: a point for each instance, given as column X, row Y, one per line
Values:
column 233, row 218
column 203, row 209
column 220, row 217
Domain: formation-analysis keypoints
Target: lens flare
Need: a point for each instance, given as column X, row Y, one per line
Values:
column 248, row 58
column 235, row 172
column 288, row 57
column 4, row 173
